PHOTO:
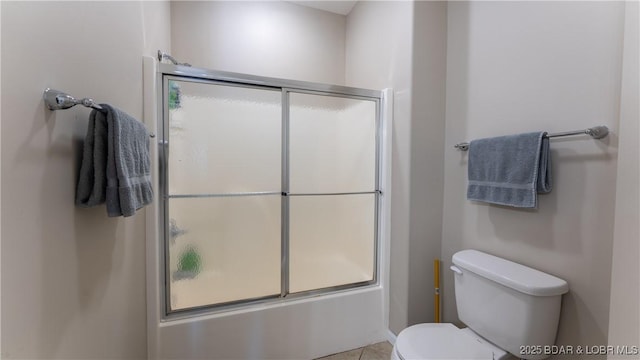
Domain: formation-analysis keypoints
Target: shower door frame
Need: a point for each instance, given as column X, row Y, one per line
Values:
column 168, row 72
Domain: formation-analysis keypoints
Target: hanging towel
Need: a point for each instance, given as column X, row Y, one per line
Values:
column 509, row 170
column 116, row 165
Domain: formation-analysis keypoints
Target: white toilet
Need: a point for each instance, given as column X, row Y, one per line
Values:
column 510, row 310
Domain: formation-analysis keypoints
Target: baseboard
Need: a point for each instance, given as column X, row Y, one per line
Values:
column 391, row 337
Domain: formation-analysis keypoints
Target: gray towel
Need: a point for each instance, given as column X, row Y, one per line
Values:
column 116, row 166
column 509, row 170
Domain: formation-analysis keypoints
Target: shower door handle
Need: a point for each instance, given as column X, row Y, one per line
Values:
column 164, row 145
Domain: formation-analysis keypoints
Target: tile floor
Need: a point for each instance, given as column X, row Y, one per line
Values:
column 379, row 351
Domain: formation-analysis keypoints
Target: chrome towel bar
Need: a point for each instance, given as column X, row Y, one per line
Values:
column 59, row 100
column 596, row 132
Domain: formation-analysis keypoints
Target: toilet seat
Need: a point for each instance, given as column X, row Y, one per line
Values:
column 442, row 341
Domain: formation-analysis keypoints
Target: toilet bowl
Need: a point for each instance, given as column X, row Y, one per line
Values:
column 444, row 341
column 505, row 305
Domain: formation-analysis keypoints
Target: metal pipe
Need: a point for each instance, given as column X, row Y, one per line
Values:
column 163, row 55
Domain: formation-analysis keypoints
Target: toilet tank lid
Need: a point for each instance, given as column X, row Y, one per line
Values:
column 516, row 276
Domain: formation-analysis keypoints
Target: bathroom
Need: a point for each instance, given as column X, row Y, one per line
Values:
column 75, row 283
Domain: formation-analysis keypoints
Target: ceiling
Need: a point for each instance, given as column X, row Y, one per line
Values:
column 342, row 7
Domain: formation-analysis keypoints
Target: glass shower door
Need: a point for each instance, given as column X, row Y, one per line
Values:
column 267, row 192
column 223, row 181
column 332, row 191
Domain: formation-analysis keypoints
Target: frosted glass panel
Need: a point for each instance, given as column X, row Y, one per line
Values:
column 331, row 240
column 332, row 144
column 223, row 249
column 223, row 138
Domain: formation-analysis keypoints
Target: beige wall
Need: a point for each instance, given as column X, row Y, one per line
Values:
column 624, row 321
column 525, row 66
column 73, row 280
column 266, row 38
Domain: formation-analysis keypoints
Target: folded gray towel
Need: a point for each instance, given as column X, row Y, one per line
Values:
column 92, row 179
column 116, row 165
column 509, row 170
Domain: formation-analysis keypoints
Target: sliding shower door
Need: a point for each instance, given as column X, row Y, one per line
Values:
column 223, row 193
column 332, row 183
column 268, row 192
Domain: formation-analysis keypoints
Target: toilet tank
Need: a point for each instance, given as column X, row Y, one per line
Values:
column 511, row 305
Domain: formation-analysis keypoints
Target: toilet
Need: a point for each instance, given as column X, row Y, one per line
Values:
column 511, row 311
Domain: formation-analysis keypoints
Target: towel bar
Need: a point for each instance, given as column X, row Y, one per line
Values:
column 59, row 100
column 596, row 132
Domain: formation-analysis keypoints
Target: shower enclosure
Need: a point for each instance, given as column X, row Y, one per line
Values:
column 269, row 189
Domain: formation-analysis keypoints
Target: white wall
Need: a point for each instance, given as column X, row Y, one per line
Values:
column 427, row 155
column 73, row 280
column 624, row 321
column 266, row 38
column 525, row 66
column 402, row 45
column 378, row 42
